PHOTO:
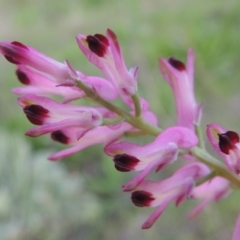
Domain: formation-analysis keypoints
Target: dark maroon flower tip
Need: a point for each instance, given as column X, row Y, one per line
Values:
column 125, row 162
column 22, row 77
column 227, row 141
column 35, row 114
column 142, row 198
column 11, row 54
column 59, row 136
column 98, row 44
column 16, row 43
column 180, row 66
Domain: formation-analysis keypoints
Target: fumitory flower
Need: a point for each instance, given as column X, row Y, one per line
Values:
column 105, row 53
column 180, row 77
column 53, row 116
column 44, row 75
column 212, row 190
column 226, row 144
column 79, row 139
column 160, row 152
column 176, row 188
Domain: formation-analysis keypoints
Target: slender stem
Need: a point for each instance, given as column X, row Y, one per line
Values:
column 137, row 105
column 109, row 121
column 137, row 122
column 218, row 167
column 202, row 180
column 198, row 132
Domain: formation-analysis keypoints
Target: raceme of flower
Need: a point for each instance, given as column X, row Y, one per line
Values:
column 200, row 177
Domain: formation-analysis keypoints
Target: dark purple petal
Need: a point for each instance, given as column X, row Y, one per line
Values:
column 180, row 66
column 97, row 44
column 227, row 141
column 125, row 162
column 11, row 54
column 142, row 198
column 35, row 114
column 22, row 77
column 59, row 136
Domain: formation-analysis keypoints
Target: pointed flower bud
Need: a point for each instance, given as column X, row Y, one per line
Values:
column 105, row 53
column 226, row 144
column 181, row 80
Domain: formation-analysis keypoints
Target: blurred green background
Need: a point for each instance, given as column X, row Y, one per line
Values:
column 81, row 197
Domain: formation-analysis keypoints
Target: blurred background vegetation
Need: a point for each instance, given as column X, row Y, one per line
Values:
column 81, row 197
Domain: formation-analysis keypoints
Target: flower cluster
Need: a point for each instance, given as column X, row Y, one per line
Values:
column 200, row 177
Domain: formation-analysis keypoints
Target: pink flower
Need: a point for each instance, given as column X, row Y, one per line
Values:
column 44, row 75
column 174, row 189
column 236, row 233
column 79, row 139
column 212, row 190
column 105, row 53
column 53, row 116
column 181, row 80
column 160, row 152
column 226, row 144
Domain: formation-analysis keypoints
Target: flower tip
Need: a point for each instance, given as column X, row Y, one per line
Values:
column 125, row 162
column 180, row 66
column 142, row 198
column 22, row 77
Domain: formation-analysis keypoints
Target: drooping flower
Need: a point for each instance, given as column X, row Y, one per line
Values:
column 212, row 190
column 176, row 189
column 44, row 75
column 180, row 77
column 53, row 116
column 226, row 144
column 105, row 53
column 160, row 152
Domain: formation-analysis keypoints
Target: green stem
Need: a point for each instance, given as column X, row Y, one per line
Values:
column 198, row 132
column 137, row 105
column 110, row 121
column 219, row 168
column 137, row 122
column 202, row 180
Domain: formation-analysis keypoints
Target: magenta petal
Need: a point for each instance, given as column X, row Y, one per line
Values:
column 182, row 136
column 181, row 82
column 154, row 216
column 236, row 232
column 51, row 127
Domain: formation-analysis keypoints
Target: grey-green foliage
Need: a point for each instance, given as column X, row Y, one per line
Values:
column 39, row 199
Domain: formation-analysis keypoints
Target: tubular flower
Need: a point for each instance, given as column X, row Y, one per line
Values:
column 105, row 53
column 53, row 116
column 80, row 139
column 44, row 75
column 212, row 190
column 176, row 189
column 163, row 150
column 226, row 144
column 180, row 77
